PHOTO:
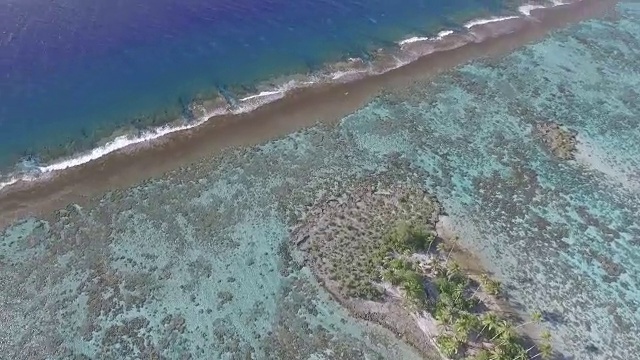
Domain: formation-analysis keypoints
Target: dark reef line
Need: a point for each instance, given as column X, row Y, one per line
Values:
column 299, row 109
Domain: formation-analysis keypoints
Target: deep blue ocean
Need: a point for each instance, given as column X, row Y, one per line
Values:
column 73, row 71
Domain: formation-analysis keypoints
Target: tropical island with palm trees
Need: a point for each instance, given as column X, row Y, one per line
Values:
column 386, row 254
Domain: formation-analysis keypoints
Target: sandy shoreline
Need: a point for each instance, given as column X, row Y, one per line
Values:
column 300, row 108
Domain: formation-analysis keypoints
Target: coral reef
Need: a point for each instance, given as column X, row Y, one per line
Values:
column 560, row 236
column 560, row 141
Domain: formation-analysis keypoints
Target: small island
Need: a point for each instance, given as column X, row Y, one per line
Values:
column 559, row 140
column 382, row 253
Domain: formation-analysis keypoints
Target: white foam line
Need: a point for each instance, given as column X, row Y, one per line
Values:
column 126, row 140
column 121, row 142
column 527, row 9
column 412, row 40
column 477, row 22
column 262, row 94
column 14, row 180
column 444, row 33
column 441, row 35
column 280, row 90
column 9, row 182
column 340, row 74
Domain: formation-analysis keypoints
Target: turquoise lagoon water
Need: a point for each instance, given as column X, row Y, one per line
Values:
column 197, row 263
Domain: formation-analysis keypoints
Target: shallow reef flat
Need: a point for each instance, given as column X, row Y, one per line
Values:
column 197, row 263
column 174, row 269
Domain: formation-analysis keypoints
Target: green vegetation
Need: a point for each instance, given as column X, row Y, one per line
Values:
column 357, row 255
column 491, row 287
column 462, row 327
column 408, row 238
column 404, row 274
column 465, row 333
column 449, row 345
column 387, row 263
column 356, row 244
column 403, row 239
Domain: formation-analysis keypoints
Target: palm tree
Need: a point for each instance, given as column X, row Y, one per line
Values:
column 505, row 330
column 437, row 268
column 493, row 287
column 453, row 243
column 441, row 247
column 476, row 290
column 457, row 292
column 489, row 322
column 545, row 352
column 536, row 317
column 546, row 336
column 498, row 353
column 483, row 354
column 443, row 314
column 472, row 319
column 484, row 279
column 463, row 325
column 461, row 335
column 508, row 349
column 448, row 345
column 454, row 268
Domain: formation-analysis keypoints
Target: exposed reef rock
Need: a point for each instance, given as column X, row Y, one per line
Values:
column 560, row 140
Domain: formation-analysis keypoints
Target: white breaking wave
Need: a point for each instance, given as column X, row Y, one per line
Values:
column 11, row 181
column 341, row 74
column 527, row 9
column 477, row 22
column 14, row 179
column 413, row 39
column 250, row 103
column 264, row 97
column 440, row 36
column 444, row 33
column 262, row 94
column 121, row 142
